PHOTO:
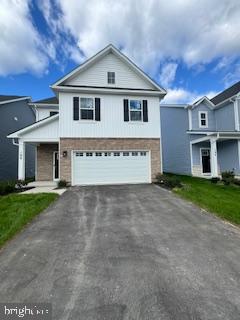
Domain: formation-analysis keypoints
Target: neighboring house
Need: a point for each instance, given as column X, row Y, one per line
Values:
column 108, row 127
column 15, row 113
column 203, row 139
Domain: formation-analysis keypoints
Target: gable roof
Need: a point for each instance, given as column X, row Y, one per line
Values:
column 51, row 100
column 109, row 49
column 8, row 98
column 226, row 94
column 204, row 98
column 15, row 134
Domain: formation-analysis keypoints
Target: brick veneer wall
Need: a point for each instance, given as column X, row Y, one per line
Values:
column 69, row 144
column 45, row 161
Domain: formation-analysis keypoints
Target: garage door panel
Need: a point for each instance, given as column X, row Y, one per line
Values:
column 110, row 169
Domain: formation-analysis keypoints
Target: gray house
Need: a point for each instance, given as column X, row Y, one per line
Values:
column 203, row 139
column 15, row 113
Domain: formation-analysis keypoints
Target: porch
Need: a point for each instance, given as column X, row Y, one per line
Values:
column 215, row 153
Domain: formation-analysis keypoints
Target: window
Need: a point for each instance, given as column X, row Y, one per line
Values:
column 52, row 113
column 135, row 109
column 134, row 154
column 79, row 154
column 203, row 119
column 125, row 154
column 116, row 154
column 98, row 154
column 111, row 77
column 86, row 109
column 89, row 154
column 107, row 154
column 143, row 153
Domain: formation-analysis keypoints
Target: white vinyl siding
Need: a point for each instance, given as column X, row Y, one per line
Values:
column 96, row 75
column 112, row 123
column 44, row 112
column 110, row 167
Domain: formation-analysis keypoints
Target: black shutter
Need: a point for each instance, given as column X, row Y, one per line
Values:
column 126, row 111
column 145, row 111
column 97, row 109
column 75, row 108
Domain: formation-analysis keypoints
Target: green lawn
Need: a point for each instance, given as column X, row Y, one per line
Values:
column 17, row 210
column 222, row 200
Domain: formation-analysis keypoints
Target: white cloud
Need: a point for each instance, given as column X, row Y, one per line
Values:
column 181, row 95
column 21, row 47
column 153, row 31
column 167, row 74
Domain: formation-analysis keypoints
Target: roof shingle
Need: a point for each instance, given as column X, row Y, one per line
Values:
column 226, row 94
column 51, row 100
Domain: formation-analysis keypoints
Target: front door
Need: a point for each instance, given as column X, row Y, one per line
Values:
column 206, row 161
column 55, row 165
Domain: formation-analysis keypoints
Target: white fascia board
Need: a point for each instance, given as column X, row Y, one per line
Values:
column 44, row 104
column 209, row 102
column 96, row 57
column 15, row 100
column 33, row 126
column 108, row 91
column 163, row 105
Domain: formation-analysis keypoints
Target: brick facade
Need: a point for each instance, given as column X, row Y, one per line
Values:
column 45, row 161
column 69, row 144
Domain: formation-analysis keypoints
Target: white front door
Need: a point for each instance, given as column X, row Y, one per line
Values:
column 110, row 167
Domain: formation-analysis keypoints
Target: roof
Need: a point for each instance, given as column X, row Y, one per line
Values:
column 226, row 94
column 51, row 100
column 96, row 57
column 6, row 98
column 199, row 101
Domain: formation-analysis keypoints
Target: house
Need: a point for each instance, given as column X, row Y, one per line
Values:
column 203, row 139
column 15, row 113
column 107, row 130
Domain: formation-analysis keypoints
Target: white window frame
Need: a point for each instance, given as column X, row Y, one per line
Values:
column 111, row 78
column 85, row 120
column 200, row 119
column 129, row 111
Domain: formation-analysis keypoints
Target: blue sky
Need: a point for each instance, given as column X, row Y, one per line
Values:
column 192, row 48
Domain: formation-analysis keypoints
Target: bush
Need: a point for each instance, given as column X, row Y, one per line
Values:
column 215, row 179
column 62, row 184
column 21, row 183
column 7, row 187
column 228, row 177
column 169, row 182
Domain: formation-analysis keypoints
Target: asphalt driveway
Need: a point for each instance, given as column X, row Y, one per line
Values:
column 125, row 252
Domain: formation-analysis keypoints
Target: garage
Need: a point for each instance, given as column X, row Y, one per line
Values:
column 110, row 167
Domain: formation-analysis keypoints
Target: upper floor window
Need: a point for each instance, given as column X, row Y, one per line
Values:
column 86, row 109
column 135, row 110
column 203, row 119
column 111, row 77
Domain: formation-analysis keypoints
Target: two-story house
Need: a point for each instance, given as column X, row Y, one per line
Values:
column 15, row 113
column 107, row 130
column 203, row 139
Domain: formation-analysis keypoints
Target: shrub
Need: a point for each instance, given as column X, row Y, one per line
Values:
column 7, row 187
column 215, row 179
column 228, row 177
column 169, row 182
column 62, row 184
column 20, row 184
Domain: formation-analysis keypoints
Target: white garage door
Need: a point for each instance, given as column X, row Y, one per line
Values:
column 112, row 167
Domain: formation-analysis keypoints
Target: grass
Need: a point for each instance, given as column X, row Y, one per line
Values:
column 224, row 201
column 17, row 210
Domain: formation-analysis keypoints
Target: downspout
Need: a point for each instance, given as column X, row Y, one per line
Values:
column 15, row 143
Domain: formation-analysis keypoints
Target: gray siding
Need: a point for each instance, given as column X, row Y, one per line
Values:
column 175, row 140
column 228, row 156
column 14, row 116
column 225, row 118
column 195, row 118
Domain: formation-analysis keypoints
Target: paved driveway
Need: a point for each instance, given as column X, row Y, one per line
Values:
column 125, row 252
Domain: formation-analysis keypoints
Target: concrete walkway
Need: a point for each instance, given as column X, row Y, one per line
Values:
column 132, row 252
column 44, row 187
